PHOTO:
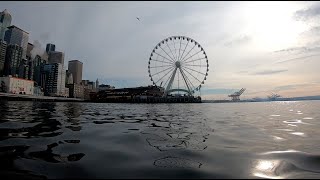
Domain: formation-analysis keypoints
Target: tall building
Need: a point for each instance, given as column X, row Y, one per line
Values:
column 38, row 66
column 50, row 47
column 3, row 49
column 31, row 69
column 5, row 22
column 29, row 49
column 13, row 60
column 56, row 57
column 75, row 67
column 76, row 90
column 24, row 69
column 69, row 77
column 15, row 35
column 55, row 79
column 97, row 84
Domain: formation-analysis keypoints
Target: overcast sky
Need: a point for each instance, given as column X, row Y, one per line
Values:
column 262, row 46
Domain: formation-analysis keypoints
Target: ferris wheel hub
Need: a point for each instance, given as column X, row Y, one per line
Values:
column 178, row 64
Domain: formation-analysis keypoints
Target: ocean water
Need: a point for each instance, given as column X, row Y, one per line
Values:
column 207, row 140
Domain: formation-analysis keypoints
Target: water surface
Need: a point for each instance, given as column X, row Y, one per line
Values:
column 208, row 140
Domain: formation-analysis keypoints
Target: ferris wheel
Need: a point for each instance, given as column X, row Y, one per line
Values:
column 179, row 65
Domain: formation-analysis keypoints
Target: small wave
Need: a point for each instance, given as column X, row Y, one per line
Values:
column 298, row 134
column 176, row 162
column 308, row 118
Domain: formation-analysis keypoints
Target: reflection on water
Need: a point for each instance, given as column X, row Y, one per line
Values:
column 286, row 164
column 49, row 156
column 233, row 140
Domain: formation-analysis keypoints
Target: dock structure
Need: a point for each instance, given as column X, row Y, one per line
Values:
column 150, row 99
column 148, row 94
column 22, row 97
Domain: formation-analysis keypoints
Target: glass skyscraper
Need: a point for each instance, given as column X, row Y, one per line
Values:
column 50, row 47
column 15, row 35
column 5, row 22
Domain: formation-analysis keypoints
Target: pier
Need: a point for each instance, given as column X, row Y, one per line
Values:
column 22, row 97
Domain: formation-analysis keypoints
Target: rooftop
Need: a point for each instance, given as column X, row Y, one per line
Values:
column 13, row 26
column 75, row 61
column 6, row 12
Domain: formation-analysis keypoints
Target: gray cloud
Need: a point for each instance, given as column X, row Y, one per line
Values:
column 239, row 41
column 313, row 31
column 293, row 86
column 268, row 72
column 243, row 72
column 293, row 49
column 306, row 14
column 218, row 91
column 297, row 59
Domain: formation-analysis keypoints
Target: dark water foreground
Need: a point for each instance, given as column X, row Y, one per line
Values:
column 229, row 140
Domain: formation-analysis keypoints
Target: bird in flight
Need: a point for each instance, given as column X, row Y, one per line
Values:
column 138, row 18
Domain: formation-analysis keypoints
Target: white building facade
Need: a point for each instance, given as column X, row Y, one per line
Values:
column 16, row 85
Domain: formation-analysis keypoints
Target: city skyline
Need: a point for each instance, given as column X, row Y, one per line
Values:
column 262, row 46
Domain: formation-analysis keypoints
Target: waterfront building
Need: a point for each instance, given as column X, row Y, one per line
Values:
column 15, row 35
column 87, row 92
column 13, row 60
column 3, row 49
column 5, row 22
column 54, row 79
column 56, row 57
column 89, row 87
column 76, row 90
column 66, row 92
column 97, row 84
column 50, row 47
column 38, row 91
column 16, row 85
column 104, row 87
column 75, row 67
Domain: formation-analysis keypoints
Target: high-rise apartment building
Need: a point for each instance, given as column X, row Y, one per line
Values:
column 3, row 49
column 75, row 67
column 5, row 22
column 50, row 47
column 15, row 35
